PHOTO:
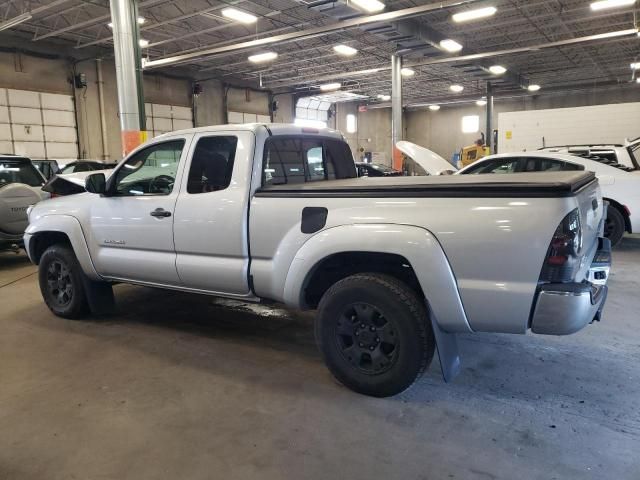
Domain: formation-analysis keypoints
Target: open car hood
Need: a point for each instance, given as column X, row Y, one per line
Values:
column 78, row 178
column 71, row 183
column 431, row 162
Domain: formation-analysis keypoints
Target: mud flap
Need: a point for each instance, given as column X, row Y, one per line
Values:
column 99, row 296
column 448, row 353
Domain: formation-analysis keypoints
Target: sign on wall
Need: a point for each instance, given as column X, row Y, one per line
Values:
column 37, row 125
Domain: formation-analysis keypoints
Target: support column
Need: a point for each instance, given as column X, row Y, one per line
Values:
column 396, row 110
column 489, row 131
column 103, row 120
column 126, row 36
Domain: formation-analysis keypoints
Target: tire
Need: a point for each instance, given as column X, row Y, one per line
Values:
column 62, row 282
column 614, row 226
column 374, row 334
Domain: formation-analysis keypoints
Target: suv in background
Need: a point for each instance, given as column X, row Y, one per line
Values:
column 85, row 166
column 48, row 168
column 20, row 186
column 626, row 157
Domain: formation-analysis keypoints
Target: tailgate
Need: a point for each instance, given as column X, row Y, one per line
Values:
column 592, row 215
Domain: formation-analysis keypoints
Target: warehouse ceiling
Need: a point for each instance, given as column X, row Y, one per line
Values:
column 173, row 28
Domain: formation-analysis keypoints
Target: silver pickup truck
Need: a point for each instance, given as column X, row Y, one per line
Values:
column 395, row 266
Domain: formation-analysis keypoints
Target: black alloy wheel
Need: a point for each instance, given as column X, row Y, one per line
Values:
column 367, row 339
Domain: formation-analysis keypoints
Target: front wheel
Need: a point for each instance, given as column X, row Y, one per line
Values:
column 374, row 334
column 614, row 225
column 61, row 282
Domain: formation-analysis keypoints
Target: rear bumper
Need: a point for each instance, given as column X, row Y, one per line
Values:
column 565, row 308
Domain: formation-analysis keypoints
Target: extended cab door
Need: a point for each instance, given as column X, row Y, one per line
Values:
column 211, row 214
column 131, row 228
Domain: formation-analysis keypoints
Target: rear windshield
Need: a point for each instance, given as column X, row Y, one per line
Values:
column 306, row 159
column 12, row 171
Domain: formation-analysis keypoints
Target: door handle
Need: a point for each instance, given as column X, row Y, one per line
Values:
column 160, row 212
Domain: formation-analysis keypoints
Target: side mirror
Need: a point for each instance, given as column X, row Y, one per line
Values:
column 96, row 183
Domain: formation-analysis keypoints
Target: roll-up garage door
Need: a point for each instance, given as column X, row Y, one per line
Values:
column 167, row 118
column 37, row 124
column 243, row 117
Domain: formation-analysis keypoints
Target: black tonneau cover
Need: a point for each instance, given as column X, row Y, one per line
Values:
column 543, row 184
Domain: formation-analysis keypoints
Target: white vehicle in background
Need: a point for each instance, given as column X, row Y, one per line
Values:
column 620, row 184
column 20, row 186
column 627, row 155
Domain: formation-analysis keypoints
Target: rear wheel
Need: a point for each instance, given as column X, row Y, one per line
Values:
column 61, row 282
column 614, row 225
column 374, row 334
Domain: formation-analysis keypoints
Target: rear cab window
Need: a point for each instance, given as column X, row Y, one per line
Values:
column 298, row 160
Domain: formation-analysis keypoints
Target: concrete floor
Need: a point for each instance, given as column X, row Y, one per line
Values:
column 177, row 386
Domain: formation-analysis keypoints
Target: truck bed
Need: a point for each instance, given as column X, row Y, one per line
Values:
column 550, row 184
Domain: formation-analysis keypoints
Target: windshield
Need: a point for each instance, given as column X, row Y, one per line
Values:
column 20, row 171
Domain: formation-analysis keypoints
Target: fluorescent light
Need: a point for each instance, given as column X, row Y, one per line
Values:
column 474, row 14
column 12, row 22
column 330, row 86
column 369, row 5
column 533, row 88
column 238, row 15
column 143, row 43
column 434, row 108
column 497, row 69
column 481, row 103
column 450, row 45
column 263, row 57
column 384, row 98
column 456, row 88
column 604, row 4
column 407, row 72
column 635, row 66
column 345, row 50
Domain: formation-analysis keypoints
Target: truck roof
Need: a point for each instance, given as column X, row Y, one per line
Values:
column 273, row 128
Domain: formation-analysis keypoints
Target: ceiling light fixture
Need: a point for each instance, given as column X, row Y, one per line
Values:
column 141, row 21
column 263, row 57
column 327, row 87
column 369, row 5
column 450, row 45
column 143, row 43
column 456, row 88
column 497, row 69
column 604, row 4
column 474, row 14
column 533, row 88
column 12, row 22
column 345, row 50
column 635, row 66
column 407, row 72
column 238, row 15
column 481, row 103
column 434, row 108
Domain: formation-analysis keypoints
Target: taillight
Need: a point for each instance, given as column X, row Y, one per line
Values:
column 563, row 261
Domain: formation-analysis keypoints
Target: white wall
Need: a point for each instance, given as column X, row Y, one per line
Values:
column 534, row 129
